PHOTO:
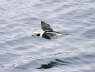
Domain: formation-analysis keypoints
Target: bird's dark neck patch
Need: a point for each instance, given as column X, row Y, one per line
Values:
column 46, row 36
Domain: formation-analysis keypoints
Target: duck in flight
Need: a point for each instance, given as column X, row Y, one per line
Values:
column 48, row 33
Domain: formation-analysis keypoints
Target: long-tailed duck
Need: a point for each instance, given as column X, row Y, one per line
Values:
column 48, row 33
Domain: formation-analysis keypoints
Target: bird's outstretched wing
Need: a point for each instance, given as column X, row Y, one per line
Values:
column 46, row 27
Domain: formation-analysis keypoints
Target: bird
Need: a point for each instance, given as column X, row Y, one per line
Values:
column 48, row 33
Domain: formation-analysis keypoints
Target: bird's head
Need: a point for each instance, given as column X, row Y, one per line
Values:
column 36, row 34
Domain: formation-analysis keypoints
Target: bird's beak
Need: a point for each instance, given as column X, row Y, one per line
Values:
column 34, row 34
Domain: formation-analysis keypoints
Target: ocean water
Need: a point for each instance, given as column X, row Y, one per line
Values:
column 20, row 52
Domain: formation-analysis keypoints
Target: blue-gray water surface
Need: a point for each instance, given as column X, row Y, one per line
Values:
column 20, row 52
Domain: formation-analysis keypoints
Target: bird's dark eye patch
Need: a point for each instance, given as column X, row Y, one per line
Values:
column 38, row 34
